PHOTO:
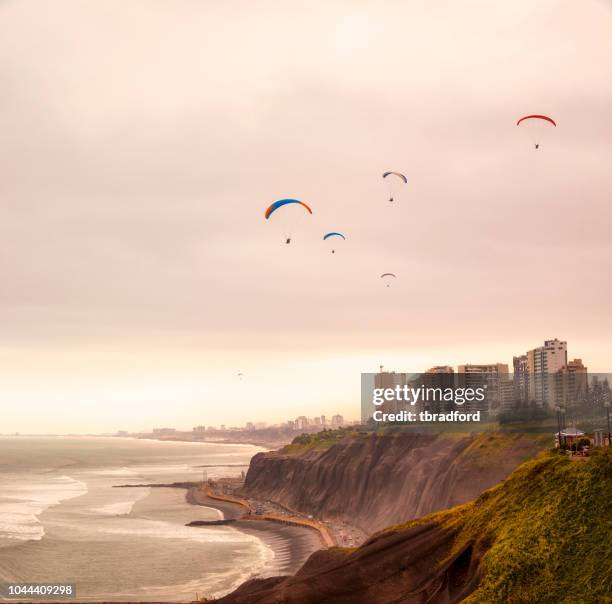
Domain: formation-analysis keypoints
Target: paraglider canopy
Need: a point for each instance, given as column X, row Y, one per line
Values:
column 283, row 202
column 393, row 183
column 291, row 215
column 398, row 174
column 333, row 234
column 388, row 276
column 536, row 126
column 537, row 117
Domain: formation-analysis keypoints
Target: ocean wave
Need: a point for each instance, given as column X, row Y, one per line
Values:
column 160, row 529
column 124, row 471
column 22, row 502
column 160, row 468
column 219, row 584
column 122, row 508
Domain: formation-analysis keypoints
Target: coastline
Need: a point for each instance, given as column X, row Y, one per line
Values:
column 291, row 544
column 265, row 446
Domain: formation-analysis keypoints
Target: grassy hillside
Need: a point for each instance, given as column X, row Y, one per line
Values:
column 545, row 533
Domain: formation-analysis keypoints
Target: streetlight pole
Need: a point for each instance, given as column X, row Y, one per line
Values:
column 607, row 406
column 558, row 410
column 563, row 424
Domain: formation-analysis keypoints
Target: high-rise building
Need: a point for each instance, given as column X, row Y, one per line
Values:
column 542, row 364
column 521, row 380
column 494, row 377
column 571, row 384
column 442, row 377
column 389, row 379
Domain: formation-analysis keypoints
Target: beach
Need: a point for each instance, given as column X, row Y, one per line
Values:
column 291, row 544
column 62, row 520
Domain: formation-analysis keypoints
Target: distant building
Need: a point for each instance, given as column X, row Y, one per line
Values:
column 442, row 377
column 389, row 379
column 571, row 384
column 164, row 431
column 222, row 427
column 337, row 421
column 199, row 429
column 520, row 380
column 323, row 421
column 494, row 377
column 122, row 433
column 542, row 364
column 250, row 426
column 316, row 421
column 301, row 422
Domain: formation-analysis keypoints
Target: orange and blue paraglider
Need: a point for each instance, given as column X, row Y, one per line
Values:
column 283, row 203
column 333, row 236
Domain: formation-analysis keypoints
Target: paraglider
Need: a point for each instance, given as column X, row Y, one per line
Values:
column 332, row 236
column 287, row 216
column 536, row 125
column 283, row 202
column 387, row 277
column 393, row 180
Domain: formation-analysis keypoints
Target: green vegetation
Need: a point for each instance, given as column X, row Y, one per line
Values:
column 489, row 448
column 323, row 439
column 544, row 532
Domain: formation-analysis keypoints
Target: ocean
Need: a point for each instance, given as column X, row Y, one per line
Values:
column 62, row 521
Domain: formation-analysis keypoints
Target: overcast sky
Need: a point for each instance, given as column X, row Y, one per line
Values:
column 140, row 143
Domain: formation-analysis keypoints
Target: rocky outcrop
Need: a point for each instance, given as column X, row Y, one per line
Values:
column 372, row 481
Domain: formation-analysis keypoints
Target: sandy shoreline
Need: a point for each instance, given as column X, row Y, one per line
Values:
column 292, row 545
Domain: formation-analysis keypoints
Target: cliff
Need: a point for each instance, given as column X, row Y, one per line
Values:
column 543, row 535
column 372, row 480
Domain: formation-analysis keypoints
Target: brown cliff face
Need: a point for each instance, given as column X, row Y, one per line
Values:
column 374, row 481
column 391, row 567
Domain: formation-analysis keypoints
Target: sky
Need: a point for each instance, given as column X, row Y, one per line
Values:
column 141, row 142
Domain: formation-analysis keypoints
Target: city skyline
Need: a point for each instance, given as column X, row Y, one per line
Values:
column 352, row 416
